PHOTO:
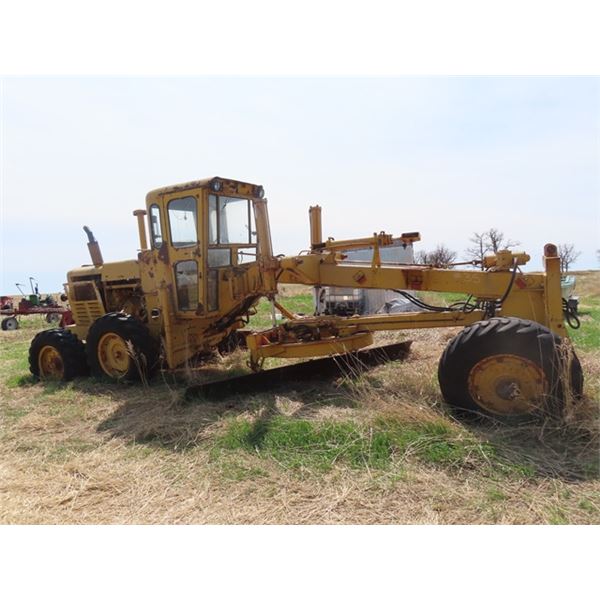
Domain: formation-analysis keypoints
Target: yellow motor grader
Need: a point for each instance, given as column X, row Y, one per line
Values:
column 208, row 260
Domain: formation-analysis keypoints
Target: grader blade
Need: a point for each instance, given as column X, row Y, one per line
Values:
column 350, row 365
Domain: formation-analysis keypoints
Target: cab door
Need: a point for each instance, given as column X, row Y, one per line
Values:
column 184, row 221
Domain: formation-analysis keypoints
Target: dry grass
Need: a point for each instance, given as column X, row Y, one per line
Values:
column 99, row 453
column 587, row 284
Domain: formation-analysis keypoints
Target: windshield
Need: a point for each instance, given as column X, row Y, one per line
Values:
column 230, row 221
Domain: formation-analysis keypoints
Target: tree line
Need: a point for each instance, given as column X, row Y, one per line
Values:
column 487, row 242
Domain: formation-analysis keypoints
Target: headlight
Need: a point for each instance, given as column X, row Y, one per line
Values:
column 259, row 192
column 216, row 185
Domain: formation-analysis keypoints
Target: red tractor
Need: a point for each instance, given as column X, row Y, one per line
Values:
column 33, row 304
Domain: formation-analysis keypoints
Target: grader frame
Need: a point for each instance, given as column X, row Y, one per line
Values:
column 210, row 260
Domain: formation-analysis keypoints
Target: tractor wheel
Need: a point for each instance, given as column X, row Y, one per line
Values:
column 53, row 317
column 10, row 324
column 508, row 367
column 57, row 354
column 120, row 347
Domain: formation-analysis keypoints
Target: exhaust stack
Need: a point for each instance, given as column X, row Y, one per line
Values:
column 140, row 214
column 94, row 248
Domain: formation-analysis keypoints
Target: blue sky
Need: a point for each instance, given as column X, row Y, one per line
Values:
column 443, row 156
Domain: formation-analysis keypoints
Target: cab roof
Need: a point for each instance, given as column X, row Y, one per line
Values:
column 228, row 185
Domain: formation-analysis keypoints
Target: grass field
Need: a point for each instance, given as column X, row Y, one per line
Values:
column 379, row 449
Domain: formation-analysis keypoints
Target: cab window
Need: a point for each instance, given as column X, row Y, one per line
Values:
column 155, row 227
column 186, row 277
column 183, row 221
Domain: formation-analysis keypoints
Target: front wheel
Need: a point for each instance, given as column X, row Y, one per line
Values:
column 56, row 354
column 508, row 367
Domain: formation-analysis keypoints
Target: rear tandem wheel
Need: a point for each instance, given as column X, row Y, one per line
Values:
column 120, row 347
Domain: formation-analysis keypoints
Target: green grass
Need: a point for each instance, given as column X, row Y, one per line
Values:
column 442, row 298
column 300, row 304
column 298, row 443
column 557, row 516
column 14, row 361
column 496, row 495
column 588, row 335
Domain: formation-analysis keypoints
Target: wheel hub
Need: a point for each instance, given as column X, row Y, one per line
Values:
column 506, row 384
column 114, row 355
column 50, row 363
column 11, row 324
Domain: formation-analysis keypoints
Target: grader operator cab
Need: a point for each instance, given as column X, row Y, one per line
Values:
column 209, row 260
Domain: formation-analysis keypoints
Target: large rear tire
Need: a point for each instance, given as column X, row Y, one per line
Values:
column 508, row 367
column 57, row 354
column 120, row 347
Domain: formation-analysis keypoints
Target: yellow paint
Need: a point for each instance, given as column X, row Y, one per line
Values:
column 262, row 348
column 50, row 363
column 506, row 384
column 113, row 355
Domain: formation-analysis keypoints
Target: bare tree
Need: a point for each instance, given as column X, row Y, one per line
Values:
column 422, row 257
column 568, row 255
column 497, row 241
column 479, row 248
column 491, row 240
column 442, row 256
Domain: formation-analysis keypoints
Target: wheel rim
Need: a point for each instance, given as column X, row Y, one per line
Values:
column 505, row 384
column 50, row 363
column 12, row 324
column 113, row 355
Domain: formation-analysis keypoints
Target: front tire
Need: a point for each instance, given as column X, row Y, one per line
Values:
column 57, row 354
column 508, row 367
column 120, row 347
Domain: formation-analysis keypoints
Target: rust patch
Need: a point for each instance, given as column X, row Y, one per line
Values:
column 360, row 277
column 414, row 279
column 163, row 254
column 145, row 257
